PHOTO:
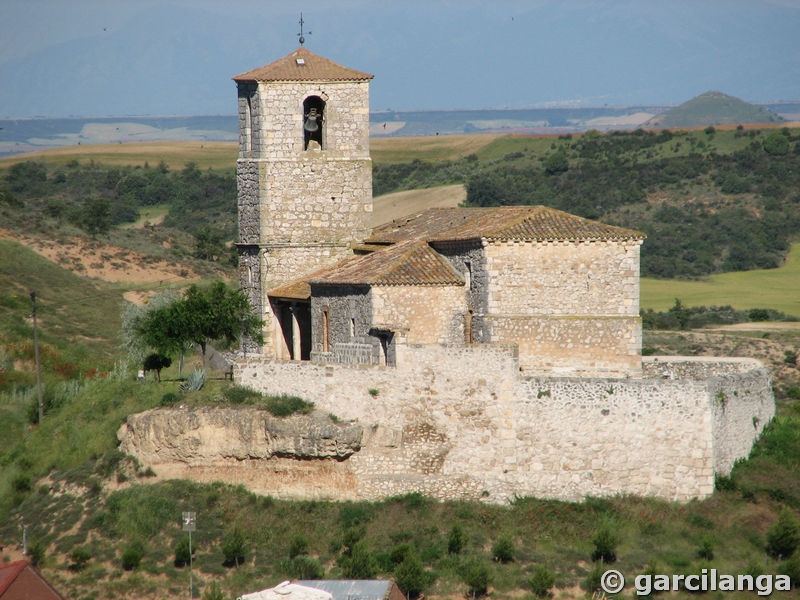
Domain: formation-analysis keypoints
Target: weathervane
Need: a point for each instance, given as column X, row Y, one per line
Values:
column 300, row 35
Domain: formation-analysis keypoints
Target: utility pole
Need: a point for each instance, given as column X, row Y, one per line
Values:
column 189, row 521
column 36, row 354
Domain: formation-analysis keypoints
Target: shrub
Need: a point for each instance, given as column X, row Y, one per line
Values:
column 303, row 567
column 477, row 577
column 182, row 553
column 195, row 381
column 169, row 399
column 605, row 542
column 593, row 578
column 783, row 536
column 156, row 362
column 79, row 557
column 284, row 405
column 456, row 540
column 298, row 545
column 503, row 550
column 233, row 548
column 36, row 553
column 791, row 568
column 213, row 592
column 21, row 483
column 542, row 581
column 411, row 577
column 724, row 483
column 360, row 564
column 399, row 553
column 132, row 556
column 237, row 394
column 706, row 549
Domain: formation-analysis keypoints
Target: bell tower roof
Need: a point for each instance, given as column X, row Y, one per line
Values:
column 303, row 65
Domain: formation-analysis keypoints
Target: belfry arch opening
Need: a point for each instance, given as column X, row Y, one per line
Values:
column 313, row 121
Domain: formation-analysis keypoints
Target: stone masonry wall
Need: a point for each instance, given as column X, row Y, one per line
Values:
column 585, row 346
column 431, row 314
column 461, row 422
column 563, row 278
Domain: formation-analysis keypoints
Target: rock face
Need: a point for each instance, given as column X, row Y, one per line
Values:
column 302, row 456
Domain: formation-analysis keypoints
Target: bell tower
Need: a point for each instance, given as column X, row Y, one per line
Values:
column 304, row 179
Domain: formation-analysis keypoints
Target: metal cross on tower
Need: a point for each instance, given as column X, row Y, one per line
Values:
column 300, row 35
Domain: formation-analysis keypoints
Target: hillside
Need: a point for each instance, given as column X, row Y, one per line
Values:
column 711, row 108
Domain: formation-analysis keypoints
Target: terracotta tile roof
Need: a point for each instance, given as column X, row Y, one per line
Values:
column 27, row 582
column 9, row 572
column 299, row 289
column 412, row 262
column 314, row 68
column 533, row 223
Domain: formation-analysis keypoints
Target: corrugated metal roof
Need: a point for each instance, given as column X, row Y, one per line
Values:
column 530, row 223
column 303, row 65
column 412, row 262
column 352, row 589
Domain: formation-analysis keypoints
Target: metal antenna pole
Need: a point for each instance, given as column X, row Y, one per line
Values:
column 36, row 354
column 191, row 574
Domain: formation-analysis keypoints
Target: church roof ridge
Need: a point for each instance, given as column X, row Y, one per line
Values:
column 303, row 65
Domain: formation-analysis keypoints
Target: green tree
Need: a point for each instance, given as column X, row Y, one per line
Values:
column 95, row 215
column 360, row 564
column 542, row 581
column 208, row 244
column 605, row 542
column 783, row 537
column 776, row 144
column 79, row 557
column 503, row 550
column 477, row 576
column 132, row 556
column 233, row 548
column 411, row 576
column 456, row 539
column 556, row 163
column 213, row 592
column 182, row 555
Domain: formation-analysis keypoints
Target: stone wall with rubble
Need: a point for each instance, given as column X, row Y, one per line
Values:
column 589, row 346
column 430, row 314
column 455, row 422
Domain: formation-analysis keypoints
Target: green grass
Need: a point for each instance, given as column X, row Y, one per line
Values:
column 765, row 288
column 70, row 308
column 149, row 214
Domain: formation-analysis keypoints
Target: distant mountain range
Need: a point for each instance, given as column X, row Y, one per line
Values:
column 712, row 108
column 28, row 135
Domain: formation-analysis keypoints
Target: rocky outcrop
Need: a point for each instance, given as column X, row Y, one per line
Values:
column 209, row 436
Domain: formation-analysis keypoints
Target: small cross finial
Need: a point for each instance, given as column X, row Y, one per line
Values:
column 300, row 35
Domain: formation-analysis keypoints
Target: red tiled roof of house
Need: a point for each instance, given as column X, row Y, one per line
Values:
column 530, row 223
column 28, row 584
column 412, row 262
column 303, row 65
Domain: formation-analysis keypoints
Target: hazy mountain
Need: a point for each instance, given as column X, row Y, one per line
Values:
column 712, row 108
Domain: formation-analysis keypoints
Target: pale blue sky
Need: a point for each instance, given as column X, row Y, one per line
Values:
column 145, row 57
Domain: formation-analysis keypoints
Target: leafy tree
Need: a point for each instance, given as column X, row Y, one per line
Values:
column 95, row 215
column 605, row 542
column 360, row 564
column 233, row 548
column 411, row 576
column 456, row 539
column 298, row 545
column 503, row 550
column 783, row 537
column 156, row 362
column 208, row 244
column 132, row 556
column 79, row 557
column 182, row 554
column 36, row 553
column 133, row 315
column 477, row 576
column 556, row 163
column 776, row 143
column 542, row 581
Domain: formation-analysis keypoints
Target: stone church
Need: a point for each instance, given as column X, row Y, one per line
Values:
column 562, row 290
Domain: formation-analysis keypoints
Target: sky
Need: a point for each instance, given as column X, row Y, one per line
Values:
column 62, row 58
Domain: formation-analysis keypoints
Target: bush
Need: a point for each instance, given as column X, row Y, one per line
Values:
column 169, row 399
column 456, row 540
column 399, row 553
column 477, row 577
column 156, row 362
column 791, row 568
column 784, row 536
column 237, row 394
column 605, row 542
column 132, row 556
column 213, row 592
column 79, row 557
column 303, row 567
column 706, row 549
column 359, row 564
column 182, row 553
column 233, row 548
column 503, row 550
column 298, row 546
column 411, row 577
column 21, row 483
column 36, row 553
column 542, row 581
column 592, row 581
column 284, row 405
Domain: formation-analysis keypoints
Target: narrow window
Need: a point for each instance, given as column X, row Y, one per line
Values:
column 468, row 276
column 249, row 120
column 249, row 275
column 313, row 122
column 326, row 332
column 468, row 338
column 352, row 328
